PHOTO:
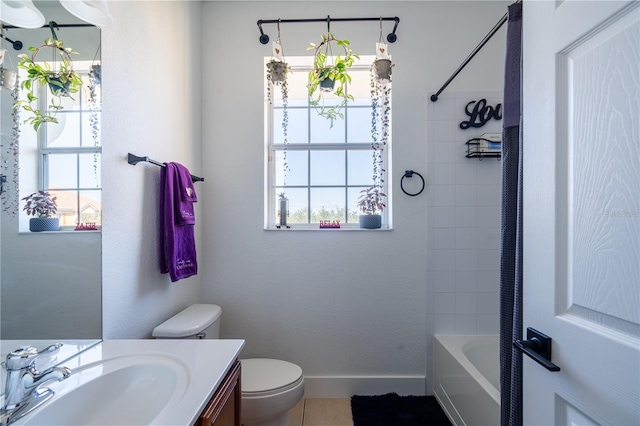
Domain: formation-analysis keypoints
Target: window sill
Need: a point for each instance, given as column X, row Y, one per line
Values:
column 316, row 228
column 62, row 231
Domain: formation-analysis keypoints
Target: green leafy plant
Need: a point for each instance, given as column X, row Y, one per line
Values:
column 62, row 81
column 330, row 74
column 371, row 201
column 40, row 204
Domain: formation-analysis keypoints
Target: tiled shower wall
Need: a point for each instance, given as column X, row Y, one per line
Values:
column 463, row 230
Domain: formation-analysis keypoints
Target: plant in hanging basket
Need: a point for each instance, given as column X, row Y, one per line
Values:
column 330, row 75
column 61, row 79
column 381, row 70
column 277, row 71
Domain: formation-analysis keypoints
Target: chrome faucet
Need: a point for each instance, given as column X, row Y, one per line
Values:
column 23, row 390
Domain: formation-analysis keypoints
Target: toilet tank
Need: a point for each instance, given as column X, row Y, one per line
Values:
column 199, row 321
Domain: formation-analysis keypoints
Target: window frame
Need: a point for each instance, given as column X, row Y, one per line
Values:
column 303, row 64
column 44, row 151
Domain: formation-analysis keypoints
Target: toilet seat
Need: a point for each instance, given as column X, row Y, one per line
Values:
column 264, row 377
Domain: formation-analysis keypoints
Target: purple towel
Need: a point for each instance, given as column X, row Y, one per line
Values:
column 177, row 239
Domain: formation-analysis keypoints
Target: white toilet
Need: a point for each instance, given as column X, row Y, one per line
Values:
column 270, row 387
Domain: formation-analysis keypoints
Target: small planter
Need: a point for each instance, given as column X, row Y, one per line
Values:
column 370, row 221
column 57, row 87
column 8, row 79
column 327, row 85
column 381, row 69
column 40, row 224
column 278, row 71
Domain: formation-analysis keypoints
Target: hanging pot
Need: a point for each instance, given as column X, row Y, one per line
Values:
column 39, row 224
column 8, row 79
column 381, row 69
column 327, row 85
column 370, row 221
column 57, row 87
column 278, row 71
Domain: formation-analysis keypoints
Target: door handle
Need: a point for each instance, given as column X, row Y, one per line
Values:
column 538, row 347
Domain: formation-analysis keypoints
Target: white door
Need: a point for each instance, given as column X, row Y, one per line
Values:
column 581, row 124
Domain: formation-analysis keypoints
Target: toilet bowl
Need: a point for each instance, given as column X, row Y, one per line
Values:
column 270, row 387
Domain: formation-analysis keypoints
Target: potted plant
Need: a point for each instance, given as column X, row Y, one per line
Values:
column 330, row 75
column 381, row 70
column 62, row 81
column 371, row 203
column 42, row 206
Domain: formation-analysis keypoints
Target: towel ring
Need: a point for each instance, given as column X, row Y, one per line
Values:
column 409, row 174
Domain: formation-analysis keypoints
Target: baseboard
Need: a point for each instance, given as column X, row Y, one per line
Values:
column 346, row 387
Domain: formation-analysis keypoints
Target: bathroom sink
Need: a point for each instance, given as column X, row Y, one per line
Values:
column 130, row 390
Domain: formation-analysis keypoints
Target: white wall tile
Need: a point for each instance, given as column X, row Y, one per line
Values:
column 444, row 217
column 444, row 260
column 444, row 281
column 444, row 195
column 466, row 173
column 466, row 281
column 488, row 259
column 444, row 238
column 444, row 131
column 488, row 324
column 489, row 195
column 466, row 195
column 466, row 303
column 487, row 237
column 466, row 260
column 466, row 216
column 444, row 323
column 444, row 303
column 443, row 174
column 466, row 238
column 487, row 303
column 488, row 281
column 465, row 324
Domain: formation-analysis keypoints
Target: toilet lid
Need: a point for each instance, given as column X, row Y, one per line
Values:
column 261, row 374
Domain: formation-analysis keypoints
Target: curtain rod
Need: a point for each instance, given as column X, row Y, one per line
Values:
column 134, row 159
column 391, row 38
column 17, row 44
column 472, row 54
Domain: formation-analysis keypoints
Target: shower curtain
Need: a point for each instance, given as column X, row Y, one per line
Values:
column 511, row 226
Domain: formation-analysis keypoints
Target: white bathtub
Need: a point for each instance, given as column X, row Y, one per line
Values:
column 466, row 378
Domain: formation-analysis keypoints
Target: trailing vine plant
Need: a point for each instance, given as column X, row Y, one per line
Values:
column 10, row 197
column 277, row 71
column 380, row 121
column 94, row 115
column 330, row 74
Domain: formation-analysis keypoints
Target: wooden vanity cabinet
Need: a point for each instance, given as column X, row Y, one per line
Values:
column 223, row 408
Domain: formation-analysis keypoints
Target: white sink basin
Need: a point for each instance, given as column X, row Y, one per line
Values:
column 131, row 390
column 137, row 382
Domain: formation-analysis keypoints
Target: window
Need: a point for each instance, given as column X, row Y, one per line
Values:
column 69, row 153
column 320, row 168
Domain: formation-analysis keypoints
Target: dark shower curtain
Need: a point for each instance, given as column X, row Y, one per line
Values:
column 511, row 226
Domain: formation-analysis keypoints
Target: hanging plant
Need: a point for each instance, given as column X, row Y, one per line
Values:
column 94, row 117
column 62, row 82
column 277, row 71
column 330, row 75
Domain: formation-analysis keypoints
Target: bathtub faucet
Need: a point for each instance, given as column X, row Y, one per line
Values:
column 23, row 390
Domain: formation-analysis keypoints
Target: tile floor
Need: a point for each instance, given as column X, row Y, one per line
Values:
column 322, row 412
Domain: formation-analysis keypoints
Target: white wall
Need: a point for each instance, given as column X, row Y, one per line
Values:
column 151, row 103
column 350, row 305
column 464, row 223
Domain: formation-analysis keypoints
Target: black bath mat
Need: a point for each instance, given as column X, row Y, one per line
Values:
column 394, row 410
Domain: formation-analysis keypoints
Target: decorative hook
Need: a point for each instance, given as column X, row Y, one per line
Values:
column 53, row 33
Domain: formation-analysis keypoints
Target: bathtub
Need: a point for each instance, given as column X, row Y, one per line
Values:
column 466, row 378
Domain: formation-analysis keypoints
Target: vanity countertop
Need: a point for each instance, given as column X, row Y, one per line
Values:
column 203, row 366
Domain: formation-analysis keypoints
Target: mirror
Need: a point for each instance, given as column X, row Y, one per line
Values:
column 50, row 282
